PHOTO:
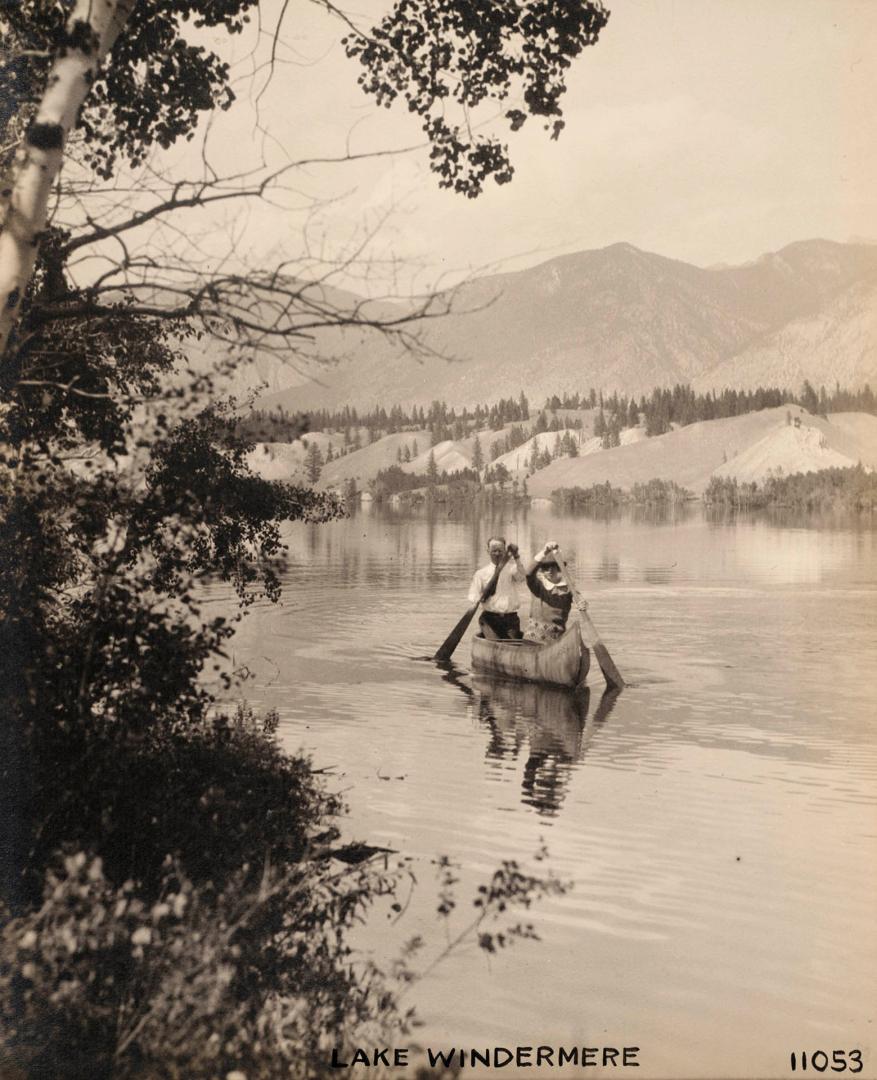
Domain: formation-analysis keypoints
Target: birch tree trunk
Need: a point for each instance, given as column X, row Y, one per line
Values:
column 92, row 30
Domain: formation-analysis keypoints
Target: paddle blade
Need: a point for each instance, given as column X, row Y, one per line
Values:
column 446, row 650
column 610, row 672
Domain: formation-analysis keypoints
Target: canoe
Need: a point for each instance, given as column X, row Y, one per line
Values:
column 564, row 662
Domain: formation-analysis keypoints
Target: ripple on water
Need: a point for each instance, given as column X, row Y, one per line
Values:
column 717, row 822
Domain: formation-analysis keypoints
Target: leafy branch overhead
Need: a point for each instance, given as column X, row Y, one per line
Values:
column 153, row 90
column 104, row 83
column 429, row 52
column 438, row 53
column 166, row 913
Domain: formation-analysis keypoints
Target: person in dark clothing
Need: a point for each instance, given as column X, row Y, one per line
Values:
column 551, row 600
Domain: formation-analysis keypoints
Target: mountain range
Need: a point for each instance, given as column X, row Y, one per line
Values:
column 618, row 318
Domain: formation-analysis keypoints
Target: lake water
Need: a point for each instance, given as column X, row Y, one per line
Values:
column 718, row 818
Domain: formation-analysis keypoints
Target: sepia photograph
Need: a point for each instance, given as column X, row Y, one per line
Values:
column 438, row 539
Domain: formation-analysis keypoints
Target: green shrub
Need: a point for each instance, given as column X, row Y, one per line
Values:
column 185, row 981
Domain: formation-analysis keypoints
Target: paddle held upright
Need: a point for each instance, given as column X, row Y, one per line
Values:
column 607, row 665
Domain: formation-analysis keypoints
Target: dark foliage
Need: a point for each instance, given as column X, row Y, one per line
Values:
column 828, row 489
column 272, row 426
column 683, row 406
column 440, row 53
column 577, row 498
column 439, row 419
column 659, row 491
column 153, row 91
column 227, row 948
column 171, row 900
column 103, row 641
column 393, row 480
column 69, row 381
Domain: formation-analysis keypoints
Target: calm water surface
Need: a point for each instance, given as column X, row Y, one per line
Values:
column 718, row 818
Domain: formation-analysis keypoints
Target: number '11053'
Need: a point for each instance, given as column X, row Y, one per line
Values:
column 819, row 1061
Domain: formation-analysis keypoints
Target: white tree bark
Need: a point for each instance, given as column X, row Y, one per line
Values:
column 93, row 26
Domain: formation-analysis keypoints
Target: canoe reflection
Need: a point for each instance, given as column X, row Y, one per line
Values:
column 551, row 724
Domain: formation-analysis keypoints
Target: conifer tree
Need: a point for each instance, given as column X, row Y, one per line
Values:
column 533, row 464
column 809, row 400
column 313, row 463
column 431, row 468
column 477, row 455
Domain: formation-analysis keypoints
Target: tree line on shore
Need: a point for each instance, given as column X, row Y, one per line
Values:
column 652, row 492
column 665, row 406
column 838, row 489
column 435, row 485
column 854, row 488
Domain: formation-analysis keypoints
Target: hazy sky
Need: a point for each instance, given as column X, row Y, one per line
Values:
column 707, row 130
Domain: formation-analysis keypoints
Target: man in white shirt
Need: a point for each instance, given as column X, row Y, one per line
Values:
column 499, row 612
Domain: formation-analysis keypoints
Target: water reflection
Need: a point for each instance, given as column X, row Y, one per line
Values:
column 655, row 513
column 667, row 513
column 609, row 569
column 658, row 575
column 779, row 517
column 444, row 546
column 548, row 725
column 700, row 821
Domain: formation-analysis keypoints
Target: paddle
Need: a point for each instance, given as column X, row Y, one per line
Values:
column 610, row 672
column 446, row 651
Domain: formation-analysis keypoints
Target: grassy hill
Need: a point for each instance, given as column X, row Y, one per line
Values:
column 449, row 456
column 691, row 455
column 787, row 449
column 364, row 465
column 746, row 447
column 516, row 460
column 286, row 461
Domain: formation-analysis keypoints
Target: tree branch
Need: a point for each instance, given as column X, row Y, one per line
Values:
column 93, row 27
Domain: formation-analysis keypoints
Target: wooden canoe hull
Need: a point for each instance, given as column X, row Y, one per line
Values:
column 564, row 662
